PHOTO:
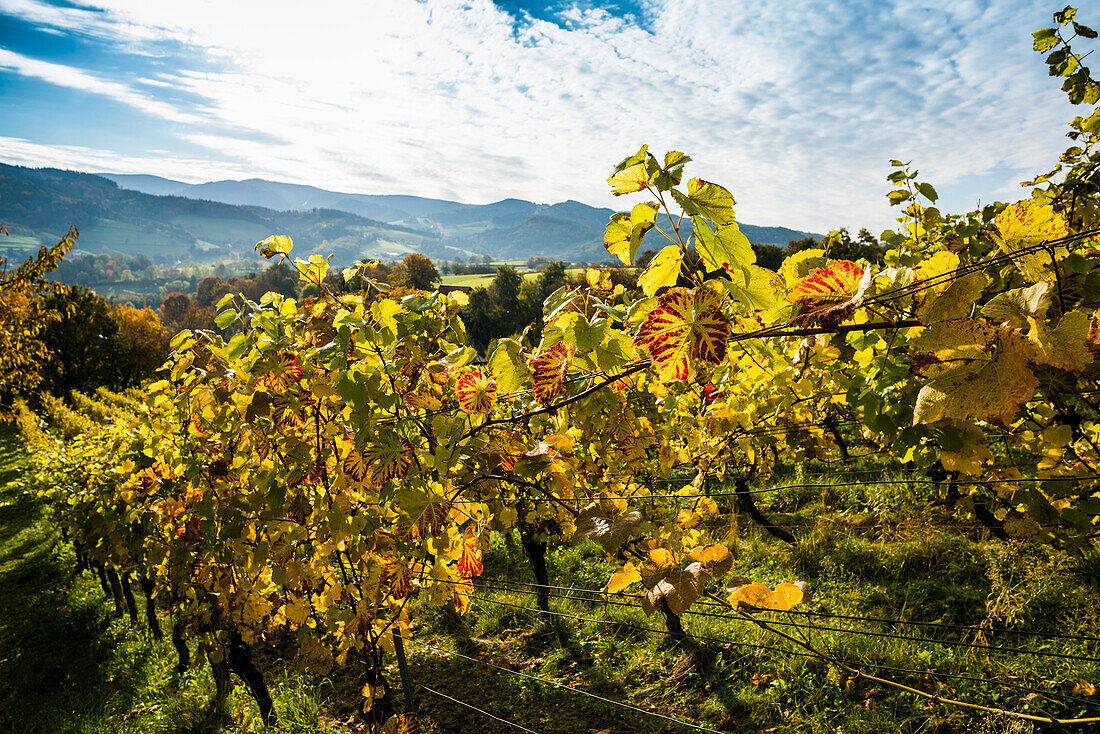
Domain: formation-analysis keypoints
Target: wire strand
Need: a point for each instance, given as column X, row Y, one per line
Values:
column 470, row 706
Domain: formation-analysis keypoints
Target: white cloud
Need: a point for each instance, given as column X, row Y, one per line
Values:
column 796, row 106
column 67, row 76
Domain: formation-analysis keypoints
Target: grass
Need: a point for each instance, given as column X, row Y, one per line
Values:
column 67, row 664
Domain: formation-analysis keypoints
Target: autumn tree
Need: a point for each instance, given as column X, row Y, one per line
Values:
column 415, row 272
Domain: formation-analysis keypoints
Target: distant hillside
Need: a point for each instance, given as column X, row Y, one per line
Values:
column 171, row 220
column 285, row 197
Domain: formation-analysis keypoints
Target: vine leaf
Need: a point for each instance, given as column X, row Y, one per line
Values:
column 624, row 577
column 606, row 524
column 727, row 248
column 832, row 293
column 833, row 284
column 1066, row 346
column 1028, row 223
column 548, row 372
column 663, row 270
column 758, row 596
column 955, row 302
column 625, row 231
column 705, row 199
column 672, row 171
column 477, row 392
column 633, row 173
column 979, row 371
column 390, row 457
column 1017, row 307
column 469, row 563
column 686, row 327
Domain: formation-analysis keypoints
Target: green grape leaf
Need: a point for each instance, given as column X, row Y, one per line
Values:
column 672, row 171
column 663, row 270
column 687, row 327
column 726, row 248
column 508, row 366
column 708, row 200
column 756, row 288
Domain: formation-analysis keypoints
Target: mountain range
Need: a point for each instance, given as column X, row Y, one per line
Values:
column 173, row 221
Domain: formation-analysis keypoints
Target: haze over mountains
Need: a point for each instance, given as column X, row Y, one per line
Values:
column 171, row 220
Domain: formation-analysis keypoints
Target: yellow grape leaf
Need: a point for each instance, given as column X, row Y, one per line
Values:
column 624, row 232
column 1066, row 346
column 663, row 270
column 1028, row 223
column 469, row 563
column 1016, row 308
column 940, row 264
column 1083, row 688
column 716, row 560
column 477, row 392
column 834, row 283
column 786, row 596
column 623, row 578
column 388, row 457
column 992, row 386
column 956, row 302
column 630, row 179
column 408, row 723
column 727, row 248
column 548, row 372
column 685, row 328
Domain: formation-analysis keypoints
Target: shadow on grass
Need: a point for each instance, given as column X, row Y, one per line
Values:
column 63, row 663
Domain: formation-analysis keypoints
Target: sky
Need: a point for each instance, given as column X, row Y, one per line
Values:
column 796, row 106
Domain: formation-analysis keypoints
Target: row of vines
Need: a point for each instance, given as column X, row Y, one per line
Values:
column 328, row 460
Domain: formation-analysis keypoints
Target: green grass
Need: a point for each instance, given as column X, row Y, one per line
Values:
column 67, row 664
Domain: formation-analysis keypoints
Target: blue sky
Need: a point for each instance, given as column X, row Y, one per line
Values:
column 796, row 106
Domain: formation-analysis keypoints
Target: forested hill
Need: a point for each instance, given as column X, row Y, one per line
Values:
column 170, row 220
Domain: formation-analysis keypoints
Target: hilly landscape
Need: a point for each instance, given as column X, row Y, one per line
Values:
column 171, row 221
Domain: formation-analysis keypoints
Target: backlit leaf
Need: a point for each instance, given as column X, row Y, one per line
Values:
column 630, row 179
column 834, row 283
column 389, row 457
column 663, row 270
column 625, row 231
column 686, row 328
column 726, row 248
column 623, row 578
column 707, row 200
column 548, row 372
column 469, row 563
column 786, row 596
column 477, row 392
column 1025, row 224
